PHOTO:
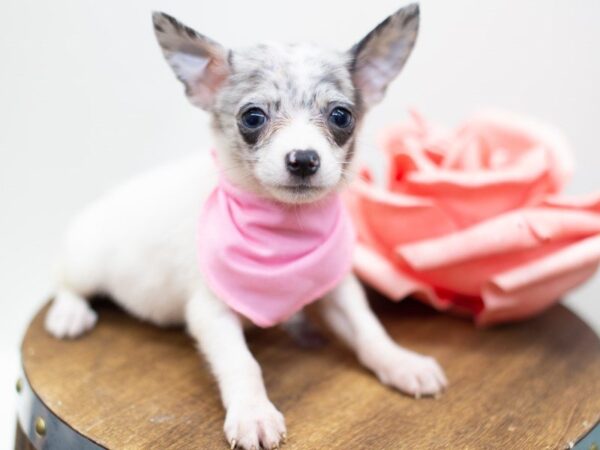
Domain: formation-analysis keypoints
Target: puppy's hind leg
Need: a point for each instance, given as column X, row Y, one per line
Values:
column 70, row 315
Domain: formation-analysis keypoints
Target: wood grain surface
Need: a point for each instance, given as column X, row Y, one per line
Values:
column 130, row 385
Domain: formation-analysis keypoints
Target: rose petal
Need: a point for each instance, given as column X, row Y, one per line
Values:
column 383, row 276
column 511, row 232
column 375, row 214
column 562, row 163
column 531, row 299
column 589, row 201
column 572, row 257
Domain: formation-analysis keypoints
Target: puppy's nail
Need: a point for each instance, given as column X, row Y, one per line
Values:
column 233, row 444
column 417, row 395
column 284, row 438
column 437, row 395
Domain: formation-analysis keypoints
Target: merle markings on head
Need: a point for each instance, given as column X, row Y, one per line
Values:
column 285, row 117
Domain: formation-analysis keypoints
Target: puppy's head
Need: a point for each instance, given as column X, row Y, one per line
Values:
column 285, row 117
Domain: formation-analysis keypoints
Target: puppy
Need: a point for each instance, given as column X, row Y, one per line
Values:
column 285, row 120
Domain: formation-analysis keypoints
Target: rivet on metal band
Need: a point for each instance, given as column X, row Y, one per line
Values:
column 40, row 427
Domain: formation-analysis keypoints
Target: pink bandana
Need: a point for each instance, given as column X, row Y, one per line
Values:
column 267, row 260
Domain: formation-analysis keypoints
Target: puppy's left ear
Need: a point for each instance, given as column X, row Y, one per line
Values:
column 199, row 62
column 379, row 57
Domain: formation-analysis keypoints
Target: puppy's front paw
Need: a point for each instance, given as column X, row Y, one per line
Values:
column 250, row 425
column 408, row 372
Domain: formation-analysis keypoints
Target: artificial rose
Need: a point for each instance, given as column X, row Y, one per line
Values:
column 471, row 221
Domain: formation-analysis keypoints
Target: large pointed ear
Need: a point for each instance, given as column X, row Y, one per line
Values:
column 379, row 57
column 199, row 62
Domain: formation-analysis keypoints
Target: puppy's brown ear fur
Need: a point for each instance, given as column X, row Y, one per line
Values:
column 380, row 56
column 199, row 62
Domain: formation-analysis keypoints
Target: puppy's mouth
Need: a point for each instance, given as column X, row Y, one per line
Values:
column 300, row 185
column 301, row 192
column 301, row 188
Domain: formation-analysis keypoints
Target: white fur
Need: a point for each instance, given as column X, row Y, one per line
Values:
column 300, row 133
column 138, row 245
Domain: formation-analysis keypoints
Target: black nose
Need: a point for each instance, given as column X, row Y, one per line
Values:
column 302, row 163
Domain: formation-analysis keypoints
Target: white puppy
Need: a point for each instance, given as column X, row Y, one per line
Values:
column 266, row 102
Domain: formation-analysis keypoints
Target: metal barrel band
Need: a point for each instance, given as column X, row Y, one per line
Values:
column 44, row 429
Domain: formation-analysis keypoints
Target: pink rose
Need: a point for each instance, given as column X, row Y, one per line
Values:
column 471, row 221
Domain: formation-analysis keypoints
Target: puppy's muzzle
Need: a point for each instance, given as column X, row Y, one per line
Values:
column 302, row 163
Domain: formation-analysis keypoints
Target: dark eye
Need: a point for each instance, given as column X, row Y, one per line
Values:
column 254, row 118
column 340, row 117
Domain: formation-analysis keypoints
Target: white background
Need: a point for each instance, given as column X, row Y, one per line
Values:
column 86, row 100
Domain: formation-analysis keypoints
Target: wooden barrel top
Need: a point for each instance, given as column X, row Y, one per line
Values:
column 130, row 385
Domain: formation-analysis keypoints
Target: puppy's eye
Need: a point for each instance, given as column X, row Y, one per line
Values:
column 340, row 117
column 254, row 118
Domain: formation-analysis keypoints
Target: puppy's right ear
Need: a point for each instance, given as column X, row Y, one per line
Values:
column 199, row 62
